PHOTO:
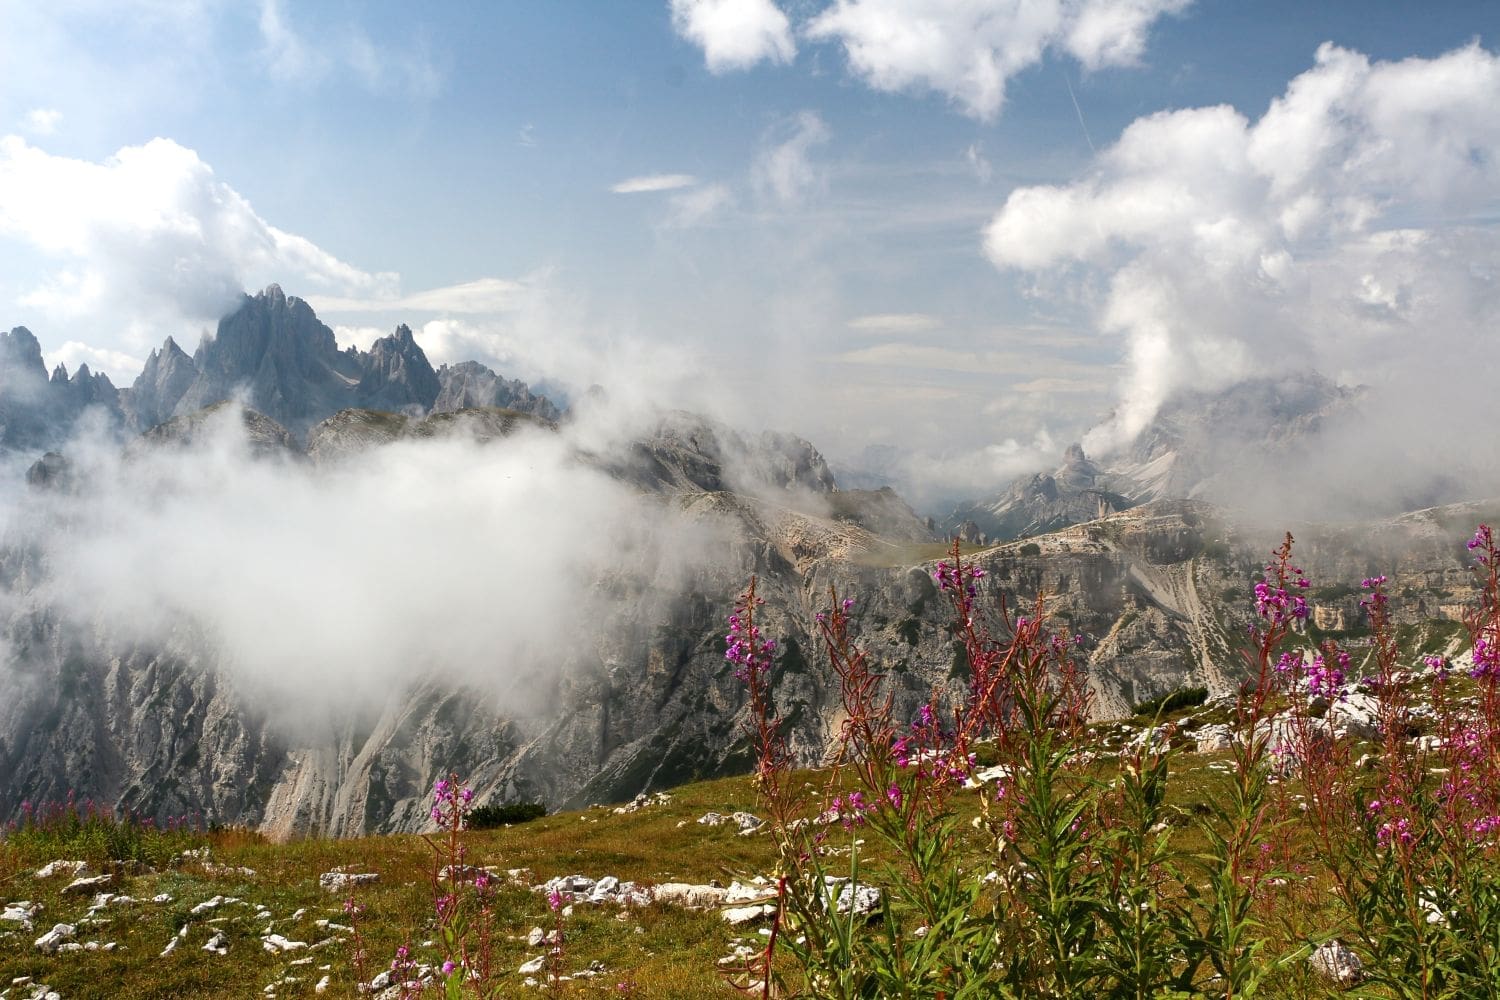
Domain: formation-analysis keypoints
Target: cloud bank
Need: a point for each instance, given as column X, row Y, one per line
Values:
column 965, row 49
column 325, row 587
column 151, row 234
column 969, row 50
column 1348, row 230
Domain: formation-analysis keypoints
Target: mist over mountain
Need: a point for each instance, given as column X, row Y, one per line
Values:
column 289, row 585
column 1263, row 447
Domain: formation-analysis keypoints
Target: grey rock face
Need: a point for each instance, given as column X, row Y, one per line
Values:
column 168, row 375
column 1076, row 492
column 1183, row 453
column 397, row 376
column 275, row 353
column 38, row 412
column 471, row 385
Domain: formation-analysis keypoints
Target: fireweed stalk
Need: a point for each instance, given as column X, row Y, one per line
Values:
column 1240, row 826
column 1013, row 914
column 1427, row 902
column 752, row 657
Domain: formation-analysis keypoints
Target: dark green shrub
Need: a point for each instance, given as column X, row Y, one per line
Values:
column 1188, row 697
column 491, row 815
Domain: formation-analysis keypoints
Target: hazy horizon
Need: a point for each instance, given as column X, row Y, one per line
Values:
column 967, row 233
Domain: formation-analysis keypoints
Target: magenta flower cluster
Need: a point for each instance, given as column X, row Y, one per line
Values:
column 1321, row 676
column 962, row 580
column 1483, row 544
column 747, row 649
column 1275, row 603
column 450, row 801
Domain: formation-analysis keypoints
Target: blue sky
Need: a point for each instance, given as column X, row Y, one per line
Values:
column 814, row 215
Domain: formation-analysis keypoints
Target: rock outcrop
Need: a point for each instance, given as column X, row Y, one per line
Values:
column 273, row 354
column 37, row 412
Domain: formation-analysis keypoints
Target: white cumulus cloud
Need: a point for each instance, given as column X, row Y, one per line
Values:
column 1344, row 230
column 969, row 49
column 735, row 34
column 151, row 235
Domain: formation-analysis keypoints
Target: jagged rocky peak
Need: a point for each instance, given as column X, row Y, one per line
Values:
column 276, row 352
column 470, row 385
column 37, row 411
column 165, row 379
column 20, row 354
column 1180, row 453
column 689, row 451
column 1074, row 492
column 397, row 375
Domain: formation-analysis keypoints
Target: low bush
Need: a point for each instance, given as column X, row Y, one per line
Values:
column 88, row 831
column 1184, row 697
column 492, row 815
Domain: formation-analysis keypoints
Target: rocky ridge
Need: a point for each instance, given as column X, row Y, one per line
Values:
column 1156, row 593
column 271, row 352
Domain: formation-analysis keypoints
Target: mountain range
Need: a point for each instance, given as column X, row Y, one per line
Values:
column 273, row 353
column 1153, row 582
column 1199, row 445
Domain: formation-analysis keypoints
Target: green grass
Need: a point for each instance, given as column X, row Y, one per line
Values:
column 673, row 954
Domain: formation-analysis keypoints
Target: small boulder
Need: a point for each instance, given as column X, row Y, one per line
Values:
column 50, row 942
column 340, row 881
column 1336, row 963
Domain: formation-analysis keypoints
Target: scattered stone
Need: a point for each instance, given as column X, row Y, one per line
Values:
column 337, row 881
column 50, row 942
column 747, row 822
column 643, row 801
column 162, row 897
column 21, row 913
column 1213, row 738
column 989, row 774
column 1357, row 714
column 582, row 889
column 208, row 904
column 321, row 986
column 276, row 944
column 171, row 947
column 693, row 897
column 738, row 916
column 218, row 944
column 861, row 899
column 534, row 966
column 75, row 868
column 1335, row 962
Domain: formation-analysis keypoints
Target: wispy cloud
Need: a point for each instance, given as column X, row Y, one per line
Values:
column 485, row 295
column 288, row 58
column 895, row 322
column 654, row 182
column 698, row 206
column 784, row 171
column 42, row 121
